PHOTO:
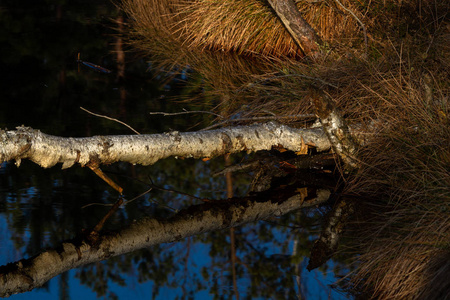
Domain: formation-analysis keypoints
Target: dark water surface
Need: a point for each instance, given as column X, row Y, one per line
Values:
column 43, row 86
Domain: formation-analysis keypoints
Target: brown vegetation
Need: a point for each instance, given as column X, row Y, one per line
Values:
column 399, row 93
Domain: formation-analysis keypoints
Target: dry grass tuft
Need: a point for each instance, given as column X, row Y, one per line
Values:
column 236, row 46
column 406, row 177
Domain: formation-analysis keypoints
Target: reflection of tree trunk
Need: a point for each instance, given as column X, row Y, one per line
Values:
column 30, row 273
column 232, row 235
column 302, row 33
column 120, row 57
column 64, row 286
column 119, row 49
column 327, row 244
column 298, row 273
column 146, row 149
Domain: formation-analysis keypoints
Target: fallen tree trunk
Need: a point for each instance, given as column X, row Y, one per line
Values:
column 28, row 274
column 146, row 149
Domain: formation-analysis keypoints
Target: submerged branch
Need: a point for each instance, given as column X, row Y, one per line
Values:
column 28, row 274
column 146, row 149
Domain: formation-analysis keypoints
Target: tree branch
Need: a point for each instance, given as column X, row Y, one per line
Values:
column 146, row 149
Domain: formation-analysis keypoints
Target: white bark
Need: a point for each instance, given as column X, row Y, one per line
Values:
column 27, row 274
column 341, row 138
column 146, row 149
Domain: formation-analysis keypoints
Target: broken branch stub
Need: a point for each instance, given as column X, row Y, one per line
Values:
column 335, row 127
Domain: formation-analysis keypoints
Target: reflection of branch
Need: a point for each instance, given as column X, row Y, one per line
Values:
column 93, row 234
column 229, row 180
column 317, row 161
column 326, row 245
column 177, row 192
column 239, row 167
column 125, row 202
column 30, row 273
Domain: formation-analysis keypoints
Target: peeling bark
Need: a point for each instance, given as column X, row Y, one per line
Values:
column 342, row 141
column 146, row 149
column 28, row 274
column 302, row 33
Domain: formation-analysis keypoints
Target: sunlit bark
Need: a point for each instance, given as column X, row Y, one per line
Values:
column 336, row 128
column 30, row 273
column 146, row 149
column 303, row 34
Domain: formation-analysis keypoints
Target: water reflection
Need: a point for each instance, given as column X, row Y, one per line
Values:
column 271, row 255
column 40, row 208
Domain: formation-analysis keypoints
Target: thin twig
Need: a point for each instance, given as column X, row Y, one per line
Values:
column 94, row 167
column 123, row 204
column 304, row 116
column 109, row 118
column 102, row 222
column 175, row 192
column 185, row 112
column 360, row 23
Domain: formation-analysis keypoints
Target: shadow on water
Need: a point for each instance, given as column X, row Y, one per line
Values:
column 39, row 208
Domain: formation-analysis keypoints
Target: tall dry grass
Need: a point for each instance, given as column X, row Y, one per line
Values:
column 236, row 46
column 405, row 179
column 398, row 95
column 245, row 56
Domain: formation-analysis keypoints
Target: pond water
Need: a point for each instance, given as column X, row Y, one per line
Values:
column 43, row 86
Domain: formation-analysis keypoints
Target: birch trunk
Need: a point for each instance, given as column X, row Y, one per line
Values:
column 28, row 274
column 146, row 149
column 343, row 142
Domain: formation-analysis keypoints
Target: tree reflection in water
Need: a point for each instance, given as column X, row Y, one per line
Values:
column 43, row 207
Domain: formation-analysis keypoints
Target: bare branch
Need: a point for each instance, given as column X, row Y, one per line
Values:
column 146, row 149
column 335, row 126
